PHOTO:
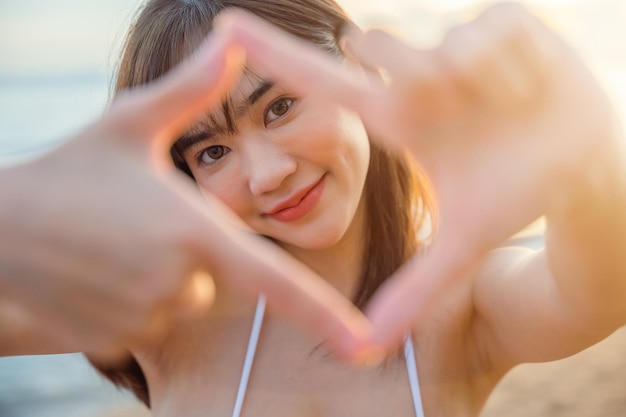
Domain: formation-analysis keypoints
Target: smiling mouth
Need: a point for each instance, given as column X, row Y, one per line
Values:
column 300, row 204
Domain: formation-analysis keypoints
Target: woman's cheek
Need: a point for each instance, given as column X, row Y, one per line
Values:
column 229, row 197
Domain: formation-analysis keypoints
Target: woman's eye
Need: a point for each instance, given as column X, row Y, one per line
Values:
column 212, row 154
column 278, row 109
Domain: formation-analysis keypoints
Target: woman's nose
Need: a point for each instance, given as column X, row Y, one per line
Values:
column 268, row 165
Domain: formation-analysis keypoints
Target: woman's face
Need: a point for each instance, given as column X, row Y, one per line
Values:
column 293, row 170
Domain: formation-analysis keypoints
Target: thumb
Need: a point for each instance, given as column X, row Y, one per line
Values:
column 409, row 295
column 250, row 265
column 161, row 110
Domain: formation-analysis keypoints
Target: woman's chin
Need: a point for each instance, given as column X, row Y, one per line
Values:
column 314, row 243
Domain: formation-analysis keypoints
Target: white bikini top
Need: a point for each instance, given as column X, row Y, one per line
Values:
column 409, row 357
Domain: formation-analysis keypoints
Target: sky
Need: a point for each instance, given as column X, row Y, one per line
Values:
column 57, row 57
column 64, row 36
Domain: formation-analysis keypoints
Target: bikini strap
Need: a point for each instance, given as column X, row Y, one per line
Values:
column 409, row 356
column 414, row 383
column 252, row 344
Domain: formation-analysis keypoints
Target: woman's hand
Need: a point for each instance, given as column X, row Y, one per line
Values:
column 504, row 118
column 104, row 244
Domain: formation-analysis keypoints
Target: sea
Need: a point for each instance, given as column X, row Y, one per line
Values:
column 56, row 60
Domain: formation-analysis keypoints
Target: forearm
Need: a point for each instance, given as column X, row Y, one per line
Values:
column 586, row 241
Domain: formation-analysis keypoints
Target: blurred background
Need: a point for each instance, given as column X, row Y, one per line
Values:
column 56, row 60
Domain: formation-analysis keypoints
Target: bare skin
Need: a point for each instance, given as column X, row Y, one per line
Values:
column 509, row 125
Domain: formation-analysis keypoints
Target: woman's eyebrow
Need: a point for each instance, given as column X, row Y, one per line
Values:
column 189, row 139
column 258, row 92
column 263, row 87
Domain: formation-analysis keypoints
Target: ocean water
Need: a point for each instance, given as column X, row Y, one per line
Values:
column 39, row 111
column 58, row 385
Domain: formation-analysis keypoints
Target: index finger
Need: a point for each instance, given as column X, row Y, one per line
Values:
column 407, row 298
column 165, row 107
column 296, row 63
column 252, row 265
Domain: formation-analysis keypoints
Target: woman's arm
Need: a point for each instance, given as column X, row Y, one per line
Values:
column 509, row 125
column 586, row 239
column 537, row 306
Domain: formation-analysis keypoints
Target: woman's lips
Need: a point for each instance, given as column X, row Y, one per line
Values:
column 300, row 205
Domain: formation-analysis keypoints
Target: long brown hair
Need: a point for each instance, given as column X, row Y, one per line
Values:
column 398, row 202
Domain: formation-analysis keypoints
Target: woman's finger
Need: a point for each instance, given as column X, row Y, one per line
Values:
column 251, row 265
column 408, row 297
column 171, row 103
column 298, row 294
column 297, row 64
column 402, row 63
column 416, row 76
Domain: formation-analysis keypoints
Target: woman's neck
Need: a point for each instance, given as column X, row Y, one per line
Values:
column 340, row 264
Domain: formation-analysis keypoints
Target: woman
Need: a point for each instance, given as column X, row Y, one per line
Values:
column 304, row 173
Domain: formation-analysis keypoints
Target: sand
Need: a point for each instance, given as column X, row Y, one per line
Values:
column 591, row 383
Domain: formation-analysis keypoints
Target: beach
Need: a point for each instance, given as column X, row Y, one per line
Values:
column 591, row 383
